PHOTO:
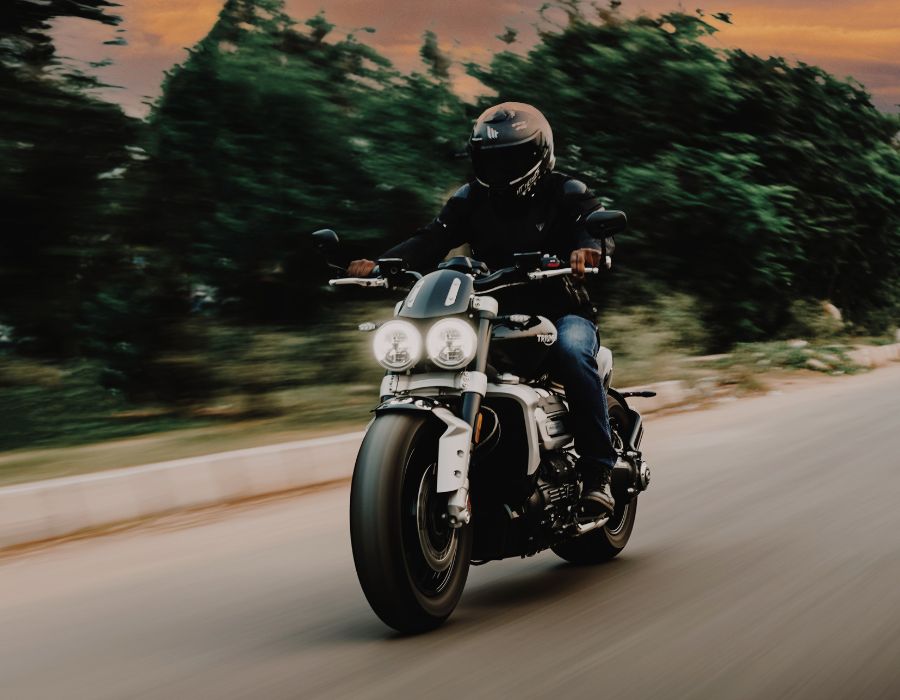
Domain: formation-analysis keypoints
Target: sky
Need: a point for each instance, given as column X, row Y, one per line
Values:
column 858, row 38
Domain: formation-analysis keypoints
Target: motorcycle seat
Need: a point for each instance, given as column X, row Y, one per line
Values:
column 605, row 364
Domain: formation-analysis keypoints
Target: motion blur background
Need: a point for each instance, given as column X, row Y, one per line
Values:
column 164, row 162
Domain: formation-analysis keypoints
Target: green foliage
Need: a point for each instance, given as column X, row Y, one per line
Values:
column 24, row 26
column 437, row 61
column 650, row 339
column 59, row 150
column 752, row 186
column 266, row 133
column 824, row 138
column 66, row 404
column 808, row 319
column 749, row 182
column 758, row 358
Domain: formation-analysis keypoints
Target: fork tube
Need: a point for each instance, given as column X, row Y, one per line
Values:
column 471, row 401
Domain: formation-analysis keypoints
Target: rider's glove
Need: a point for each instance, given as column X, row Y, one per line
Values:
column 360, row 268
column 582, row 258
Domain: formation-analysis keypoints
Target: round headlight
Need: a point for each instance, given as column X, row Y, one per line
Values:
column 451, row 343
column 397, row 345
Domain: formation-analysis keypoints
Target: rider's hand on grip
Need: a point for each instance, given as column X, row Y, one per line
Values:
column 360, row 268
column 582, row 258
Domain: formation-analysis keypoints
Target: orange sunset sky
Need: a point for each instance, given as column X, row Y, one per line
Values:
column 859, row 38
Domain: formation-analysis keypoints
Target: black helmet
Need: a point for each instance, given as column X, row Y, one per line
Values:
column 511, row 148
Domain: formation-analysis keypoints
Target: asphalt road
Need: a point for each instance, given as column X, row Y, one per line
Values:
column 765, row 564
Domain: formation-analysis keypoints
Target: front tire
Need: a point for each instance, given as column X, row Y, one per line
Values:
column 605, row 543
column 411, row 565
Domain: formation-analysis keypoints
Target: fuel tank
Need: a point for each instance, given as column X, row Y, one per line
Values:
column 521, row 345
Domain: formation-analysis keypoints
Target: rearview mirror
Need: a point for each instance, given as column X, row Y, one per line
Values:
column 603, row 223
column 326, row 240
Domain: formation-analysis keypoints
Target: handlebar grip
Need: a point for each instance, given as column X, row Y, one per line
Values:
column 359, row 281
column 545, row 274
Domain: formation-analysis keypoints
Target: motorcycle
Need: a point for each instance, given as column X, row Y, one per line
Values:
column 470, row 456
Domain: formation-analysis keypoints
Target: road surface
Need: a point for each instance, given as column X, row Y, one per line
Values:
column 765, row 564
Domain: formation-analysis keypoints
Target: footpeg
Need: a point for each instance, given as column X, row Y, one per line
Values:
column 584, row 528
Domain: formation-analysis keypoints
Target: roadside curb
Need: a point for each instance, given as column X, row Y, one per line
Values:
column 55, row 508
column 872, row 356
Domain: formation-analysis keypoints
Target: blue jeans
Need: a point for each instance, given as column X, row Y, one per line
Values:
column 573, row 363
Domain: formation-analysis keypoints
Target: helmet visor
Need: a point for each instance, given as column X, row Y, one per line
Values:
column 503, row 166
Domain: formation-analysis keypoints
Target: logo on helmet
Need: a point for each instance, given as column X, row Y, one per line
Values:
column 492, row 133
column 526, row 187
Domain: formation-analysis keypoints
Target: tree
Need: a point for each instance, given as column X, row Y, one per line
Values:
column 58, row 147
column 266, row 133
column 749, row 182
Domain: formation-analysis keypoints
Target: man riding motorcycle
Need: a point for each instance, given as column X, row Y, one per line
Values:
column 518, row 203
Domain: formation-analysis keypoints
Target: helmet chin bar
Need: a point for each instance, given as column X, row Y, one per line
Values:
column 531, row 179
column 520, row 187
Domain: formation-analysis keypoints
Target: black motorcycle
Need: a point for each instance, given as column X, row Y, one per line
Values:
column 470, row 455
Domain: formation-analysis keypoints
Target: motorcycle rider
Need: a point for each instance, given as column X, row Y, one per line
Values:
column 518, row 203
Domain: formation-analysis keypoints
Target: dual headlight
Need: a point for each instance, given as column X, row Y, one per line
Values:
column 450, row 343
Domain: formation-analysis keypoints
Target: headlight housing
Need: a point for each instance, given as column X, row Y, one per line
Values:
column 397, row 345
column 451, row 343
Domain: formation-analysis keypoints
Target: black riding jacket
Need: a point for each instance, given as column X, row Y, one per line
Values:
column 550, row 222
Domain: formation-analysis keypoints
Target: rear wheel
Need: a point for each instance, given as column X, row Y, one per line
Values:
column 606, row 542
column 411, row 564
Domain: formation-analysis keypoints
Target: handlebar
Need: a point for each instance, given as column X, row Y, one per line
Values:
column 559, row 272
column 376, row 280
column 514, row 276
column 506, row 277
column 360, row 281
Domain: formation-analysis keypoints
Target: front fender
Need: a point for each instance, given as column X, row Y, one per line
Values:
column 454, row 446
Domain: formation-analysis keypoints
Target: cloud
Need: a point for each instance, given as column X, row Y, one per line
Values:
column 856, row 38
column 852, row 37
column 167, row 26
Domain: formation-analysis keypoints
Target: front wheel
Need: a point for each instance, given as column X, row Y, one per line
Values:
column 606, row 542
column 411, row 564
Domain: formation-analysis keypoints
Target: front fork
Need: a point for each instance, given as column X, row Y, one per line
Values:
column 474, row 385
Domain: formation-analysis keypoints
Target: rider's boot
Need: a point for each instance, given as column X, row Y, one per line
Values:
column 597, row 499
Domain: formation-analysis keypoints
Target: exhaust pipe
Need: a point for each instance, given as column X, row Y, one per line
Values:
column 584, row 528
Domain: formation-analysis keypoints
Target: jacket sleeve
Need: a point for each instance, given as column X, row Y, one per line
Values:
column 428, row 245
column 581, row 201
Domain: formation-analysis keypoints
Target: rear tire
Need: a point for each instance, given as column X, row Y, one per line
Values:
column 411, row 565
column 605, row 543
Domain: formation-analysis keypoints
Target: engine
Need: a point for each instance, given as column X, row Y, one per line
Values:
column 555, row 493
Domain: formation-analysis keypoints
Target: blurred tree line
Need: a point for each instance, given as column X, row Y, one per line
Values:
column 750, row 183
